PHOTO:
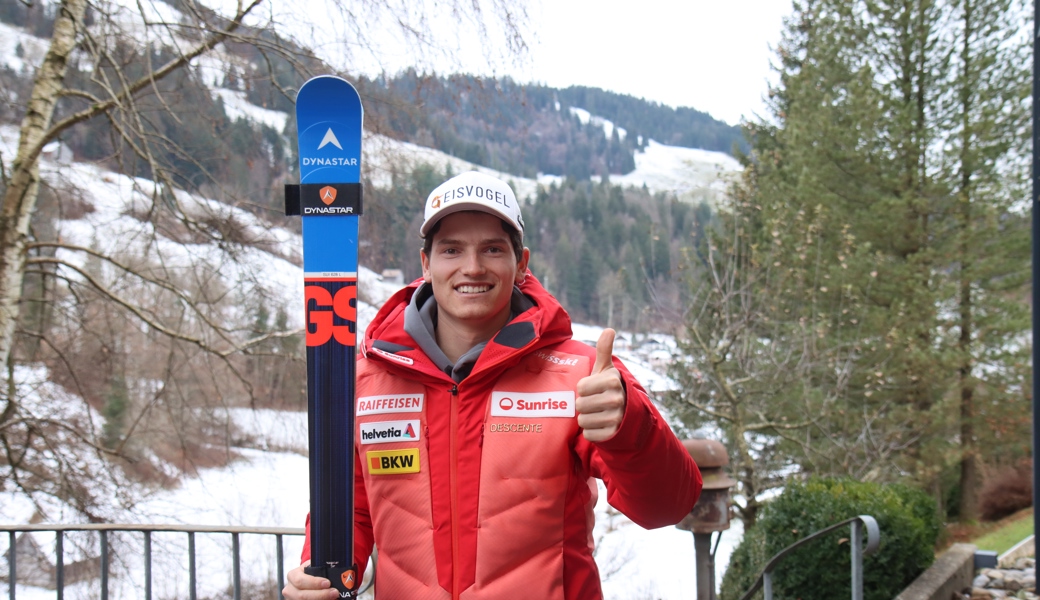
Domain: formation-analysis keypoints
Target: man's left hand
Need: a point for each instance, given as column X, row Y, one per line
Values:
column 601, row 396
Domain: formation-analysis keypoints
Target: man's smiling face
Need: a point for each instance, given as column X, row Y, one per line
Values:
column 472, row 268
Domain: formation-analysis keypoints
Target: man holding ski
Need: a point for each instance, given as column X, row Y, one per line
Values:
column 481, row 423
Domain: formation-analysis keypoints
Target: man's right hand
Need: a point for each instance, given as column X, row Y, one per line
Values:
column 302, row 586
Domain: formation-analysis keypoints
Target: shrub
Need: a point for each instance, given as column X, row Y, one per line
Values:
column 1006, row 490
column 821, row 570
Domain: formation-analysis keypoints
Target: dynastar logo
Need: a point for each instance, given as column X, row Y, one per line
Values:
column 389, row 431
column 327, row 193
column 349, row 578
column 530, row 405
column 330, row 138
column 392, row 462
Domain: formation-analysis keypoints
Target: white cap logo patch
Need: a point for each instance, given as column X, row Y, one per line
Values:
column 472, row 191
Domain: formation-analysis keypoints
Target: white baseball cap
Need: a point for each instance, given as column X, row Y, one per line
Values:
column 472, row 191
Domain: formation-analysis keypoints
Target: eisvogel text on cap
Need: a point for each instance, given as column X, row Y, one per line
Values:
column 472, row 191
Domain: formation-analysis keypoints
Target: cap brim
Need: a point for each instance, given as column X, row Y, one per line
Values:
column 463, row 206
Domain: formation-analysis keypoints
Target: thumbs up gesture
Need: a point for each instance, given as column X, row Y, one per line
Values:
column 601, row 396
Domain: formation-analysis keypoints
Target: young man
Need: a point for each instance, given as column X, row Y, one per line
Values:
column 507, row 420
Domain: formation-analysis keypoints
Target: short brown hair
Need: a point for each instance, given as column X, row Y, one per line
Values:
column 516, row 239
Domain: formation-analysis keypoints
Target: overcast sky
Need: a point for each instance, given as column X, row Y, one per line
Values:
column 711, row 55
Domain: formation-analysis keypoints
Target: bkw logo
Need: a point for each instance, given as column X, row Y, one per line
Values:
column 389, row 462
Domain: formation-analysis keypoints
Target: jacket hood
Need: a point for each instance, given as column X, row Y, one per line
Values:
column 545, row 324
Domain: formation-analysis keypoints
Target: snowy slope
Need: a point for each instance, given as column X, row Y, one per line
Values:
column 691, row 174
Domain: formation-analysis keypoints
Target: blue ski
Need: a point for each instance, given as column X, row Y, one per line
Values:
column 329, row 118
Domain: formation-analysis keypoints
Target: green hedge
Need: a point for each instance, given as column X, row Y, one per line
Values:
column 820, row 570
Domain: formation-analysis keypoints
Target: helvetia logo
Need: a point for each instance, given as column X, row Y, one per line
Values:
column 532, row 405
column 393, row 462
column 330, row 138
column 327, row 194
column 389, row 431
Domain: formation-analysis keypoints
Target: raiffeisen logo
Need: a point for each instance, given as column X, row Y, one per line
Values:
column 376, row 405
column 532, row 405
column 389, row 431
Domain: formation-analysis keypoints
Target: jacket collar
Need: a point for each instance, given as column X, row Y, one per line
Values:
column 401, row 333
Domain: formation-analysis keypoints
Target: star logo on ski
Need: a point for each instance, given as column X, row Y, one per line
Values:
column 327, row 194
column 330, row 138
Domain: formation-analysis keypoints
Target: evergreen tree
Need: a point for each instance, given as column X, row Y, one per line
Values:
column 117, row 403
column 884, row 185
column 986, row 166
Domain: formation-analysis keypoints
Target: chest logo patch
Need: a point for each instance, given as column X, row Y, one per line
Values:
column 393, row 462
column 390, row 431
column 382, row 405
column 532, row 405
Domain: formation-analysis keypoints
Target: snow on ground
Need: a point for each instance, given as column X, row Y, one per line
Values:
column 268, row 487
column 646, row 356
column 15, row 41
column 608, row 126
column 382, row 157
column 693, row 175
column 265, row 489
column 237, row 107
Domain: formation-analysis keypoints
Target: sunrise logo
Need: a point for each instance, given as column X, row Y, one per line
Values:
column 526, row 405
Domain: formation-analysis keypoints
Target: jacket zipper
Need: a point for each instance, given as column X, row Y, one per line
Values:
column 453, row 483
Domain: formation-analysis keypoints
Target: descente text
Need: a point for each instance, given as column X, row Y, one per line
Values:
column 516, row 427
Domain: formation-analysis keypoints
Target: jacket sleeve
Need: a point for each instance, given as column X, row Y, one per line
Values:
column 363, row 537
column 650, row 477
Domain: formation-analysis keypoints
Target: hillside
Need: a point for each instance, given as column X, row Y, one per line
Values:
column 530, row 129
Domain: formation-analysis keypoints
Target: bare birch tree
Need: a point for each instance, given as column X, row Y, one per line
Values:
column 116, row 71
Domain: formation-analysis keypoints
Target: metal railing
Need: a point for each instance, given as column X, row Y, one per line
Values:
column 104, row 529
column 765, row 580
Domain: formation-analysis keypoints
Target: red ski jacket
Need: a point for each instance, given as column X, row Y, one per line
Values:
column 482, row 488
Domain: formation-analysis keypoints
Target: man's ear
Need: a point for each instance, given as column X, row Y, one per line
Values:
column 425, row 261
column 521, row 266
